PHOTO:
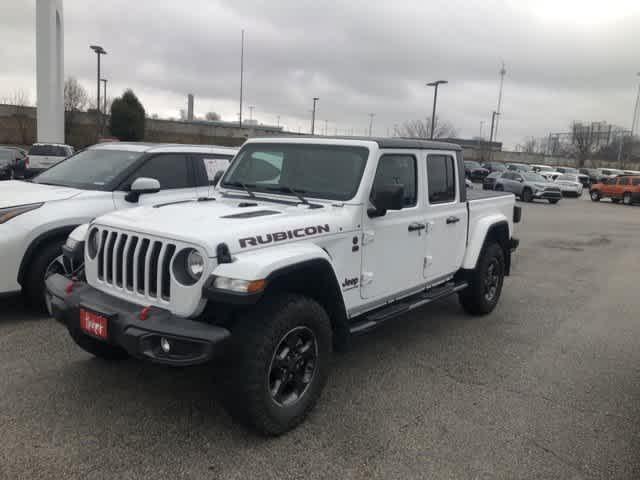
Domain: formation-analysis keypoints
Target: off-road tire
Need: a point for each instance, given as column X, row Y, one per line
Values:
column 256, row 337
column 33, row 284
column 595, row 195
column 98, row 348
column 553, row 201
column 474, row 298
column 626, row 199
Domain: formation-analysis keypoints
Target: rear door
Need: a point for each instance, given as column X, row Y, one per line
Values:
column 447, row 217
column 175, row 174
column 622, row 186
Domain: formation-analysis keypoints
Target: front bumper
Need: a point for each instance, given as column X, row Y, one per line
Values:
column 548, row 194
column 192, row 342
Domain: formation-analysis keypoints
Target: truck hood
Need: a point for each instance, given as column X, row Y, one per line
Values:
column 14, row 192
column 243, row 224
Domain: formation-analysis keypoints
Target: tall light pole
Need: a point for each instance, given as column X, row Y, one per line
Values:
column 99, row 51
column 241, row 74
column 104, row 101
column 313, row 115
column 371, row 115
column 435, row 99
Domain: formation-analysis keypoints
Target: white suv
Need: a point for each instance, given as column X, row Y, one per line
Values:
column 45, row 155
column 36, row 216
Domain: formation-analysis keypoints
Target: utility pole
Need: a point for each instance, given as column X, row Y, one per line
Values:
column 99, row 51
column 494, row 114
column 313, row 115
column 435, row 99
column 503, row 72
column 241, row 73
column 371, row 115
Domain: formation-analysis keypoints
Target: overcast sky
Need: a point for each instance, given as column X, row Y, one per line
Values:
column 565, row 59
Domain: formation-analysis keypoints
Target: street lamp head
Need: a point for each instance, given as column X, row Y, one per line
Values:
column 436, row 83
column 98, row 49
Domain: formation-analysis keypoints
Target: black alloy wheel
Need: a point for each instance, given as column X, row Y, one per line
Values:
column 293, row 366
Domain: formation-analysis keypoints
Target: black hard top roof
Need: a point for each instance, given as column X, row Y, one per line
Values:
column 383, row 142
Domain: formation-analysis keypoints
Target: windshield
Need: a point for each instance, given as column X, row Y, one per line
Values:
column 48, row 150
column 569, row 178
column 471, row 164
column 6, row 156
column 322, row 171
column 533, row 177
column 569, row 170
column 92, row 169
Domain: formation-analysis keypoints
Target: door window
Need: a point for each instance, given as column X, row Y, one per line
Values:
column 623, row 181
column 170, row 170
column 398, row 170
column 441, row 178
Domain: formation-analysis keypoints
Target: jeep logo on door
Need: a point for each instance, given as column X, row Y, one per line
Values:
column 281, row 236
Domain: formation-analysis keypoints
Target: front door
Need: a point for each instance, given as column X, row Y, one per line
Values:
column 394, row 245
column 175, row 175
column 446, row 218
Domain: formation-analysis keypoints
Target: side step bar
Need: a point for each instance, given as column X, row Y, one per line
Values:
column 373, row 319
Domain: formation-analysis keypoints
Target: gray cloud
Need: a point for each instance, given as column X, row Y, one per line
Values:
column 358, row 57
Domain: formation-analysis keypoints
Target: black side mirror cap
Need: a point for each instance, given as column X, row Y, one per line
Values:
column 386, row 197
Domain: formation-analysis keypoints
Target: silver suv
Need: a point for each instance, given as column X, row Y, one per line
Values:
column 528, row 186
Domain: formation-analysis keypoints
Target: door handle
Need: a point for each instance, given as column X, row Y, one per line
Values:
column 451, row 220
column 416, row 226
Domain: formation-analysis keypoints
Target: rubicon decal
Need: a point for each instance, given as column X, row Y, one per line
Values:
column 281, row 236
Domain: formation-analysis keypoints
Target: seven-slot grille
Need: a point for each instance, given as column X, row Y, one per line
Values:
column 135, row 264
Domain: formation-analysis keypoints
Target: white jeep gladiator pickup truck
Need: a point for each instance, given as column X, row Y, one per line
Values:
column 36, row 216
column 308, row 241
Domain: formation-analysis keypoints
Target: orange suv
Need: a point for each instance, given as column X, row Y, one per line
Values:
column 623, row 187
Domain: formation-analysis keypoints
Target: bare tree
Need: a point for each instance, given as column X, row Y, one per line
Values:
column 422, row 129
column 20, row 100
column 75, row 96
column 76, row 99
column 582, row 141
column 212, row 116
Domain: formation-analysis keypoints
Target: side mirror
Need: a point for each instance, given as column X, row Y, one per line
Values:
column 386, row 197
column 521, row 180
column 216, row 178
column 140, row 186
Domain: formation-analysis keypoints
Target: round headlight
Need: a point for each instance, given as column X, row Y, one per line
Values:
column 195, row 265
column 94, row 243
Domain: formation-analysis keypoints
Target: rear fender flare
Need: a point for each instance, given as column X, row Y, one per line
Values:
column 478, row 236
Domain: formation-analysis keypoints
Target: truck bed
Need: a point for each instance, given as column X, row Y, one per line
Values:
column 477, row 194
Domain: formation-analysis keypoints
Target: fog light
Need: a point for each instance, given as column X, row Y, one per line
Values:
column 165, row 345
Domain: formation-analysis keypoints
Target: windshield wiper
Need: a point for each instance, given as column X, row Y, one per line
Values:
column 286, row 188
column 246, row 187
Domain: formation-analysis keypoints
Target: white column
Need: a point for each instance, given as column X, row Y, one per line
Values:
column 50, row 70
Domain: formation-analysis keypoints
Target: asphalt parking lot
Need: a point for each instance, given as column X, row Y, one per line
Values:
column 548, row 386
